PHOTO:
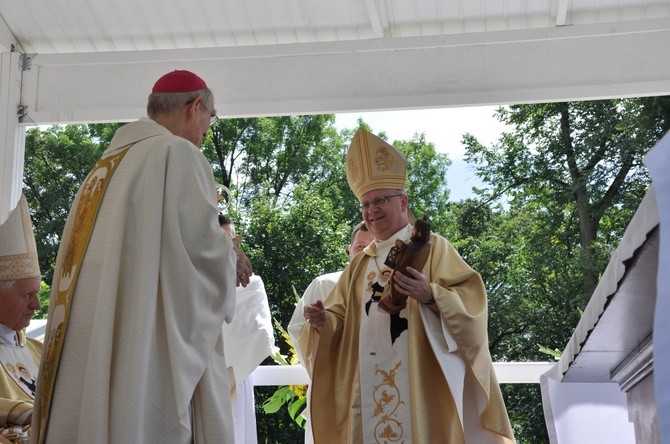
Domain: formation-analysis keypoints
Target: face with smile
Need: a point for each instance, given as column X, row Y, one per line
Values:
column 384, row 218
column 19, row 302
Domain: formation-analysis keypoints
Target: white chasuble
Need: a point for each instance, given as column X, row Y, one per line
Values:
column 143, row 358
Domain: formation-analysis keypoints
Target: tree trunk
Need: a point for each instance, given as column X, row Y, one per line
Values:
column 587, row 224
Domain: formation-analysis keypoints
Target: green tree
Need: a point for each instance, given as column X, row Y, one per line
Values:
column 567, row 179
column 102, row 133
column 530, row 281
column 426, row 180
column 226, row 146
column 583, row 157
column 290, row 244
column 57, row 160
column 272, row 154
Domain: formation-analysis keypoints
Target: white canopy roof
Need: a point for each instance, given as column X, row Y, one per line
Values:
column 64, row 61
column 96, row 60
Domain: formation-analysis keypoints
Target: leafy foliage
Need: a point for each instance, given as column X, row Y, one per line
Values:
column 271, row 155
column 554, row 353
column 580, row 160
column 563, row 186
column 427, row 180
column 43, row 296
column 291, row 244
column 293, row 396
column 56, row 162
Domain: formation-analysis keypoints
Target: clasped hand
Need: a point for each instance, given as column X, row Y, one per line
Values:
column 413, row 284
column 244, row 270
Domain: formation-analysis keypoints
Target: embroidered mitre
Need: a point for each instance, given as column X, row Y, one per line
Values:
column 373, row 164
column 18, row 252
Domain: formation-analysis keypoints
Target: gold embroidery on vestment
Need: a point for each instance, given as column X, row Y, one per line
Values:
column 387, row 400
column 383, row 159
column 93, row 190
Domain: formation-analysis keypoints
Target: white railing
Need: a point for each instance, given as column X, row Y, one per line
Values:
column 506, row 372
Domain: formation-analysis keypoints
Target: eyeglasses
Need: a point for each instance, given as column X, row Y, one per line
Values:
column 213, row 118
column 376, row 203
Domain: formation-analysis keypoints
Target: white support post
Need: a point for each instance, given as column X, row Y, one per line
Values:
column 377, row 18
column 12, row 133
column 562, row 13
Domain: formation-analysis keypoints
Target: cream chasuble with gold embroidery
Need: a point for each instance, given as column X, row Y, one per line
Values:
column 18, row 377
column 416, row 378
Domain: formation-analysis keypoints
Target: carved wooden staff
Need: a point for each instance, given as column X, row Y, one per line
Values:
column 412, row 254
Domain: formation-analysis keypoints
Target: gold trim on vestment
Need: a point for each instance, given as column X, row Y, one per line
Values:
column 62, row 290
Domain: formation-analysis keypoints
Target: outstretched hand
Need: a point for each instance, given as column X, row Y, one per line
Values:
column 315, row 314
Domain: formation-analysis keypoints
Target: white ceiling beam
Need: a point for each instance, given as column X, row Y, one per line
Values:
column 377, row 17
column 7, row 39
column 539, row 65
column 562, row 13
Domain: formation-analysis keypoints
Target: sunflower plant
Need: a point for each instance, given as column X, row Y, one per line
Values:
column 293, row 396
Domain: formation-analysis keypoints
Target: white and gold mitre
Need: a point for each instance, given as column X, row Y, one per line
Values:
column 373, row 164
column 18, row 252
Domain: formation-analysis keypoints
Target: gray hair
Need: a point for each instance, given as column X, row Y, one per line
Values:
column 165, row 103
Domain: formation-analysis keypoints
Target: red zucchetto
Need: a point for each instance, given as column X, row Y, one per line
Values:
column 178, row 81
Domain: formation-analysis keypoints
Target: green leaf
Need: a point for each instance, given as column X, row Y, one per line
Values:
column 277, row 400
column 296, row 407
column 278, row 357
column 555, row 353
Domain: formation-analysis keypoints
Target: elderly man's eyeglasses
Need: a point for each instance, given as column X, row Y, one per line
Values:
column 376, row 203
column 212, row 114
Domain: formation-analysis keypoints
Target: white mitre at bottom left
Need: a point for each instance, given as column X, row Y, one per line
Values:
column 18, row 252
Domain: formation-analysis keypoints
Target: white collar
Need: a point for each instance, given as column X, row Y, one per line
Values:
column 403, row 234
column 7, row 335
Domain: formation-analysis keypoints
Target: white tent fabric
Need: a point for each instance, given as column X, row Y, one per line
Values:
column 581, row 361
column 583, row 402
column 584, row 412
column 658, row 163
